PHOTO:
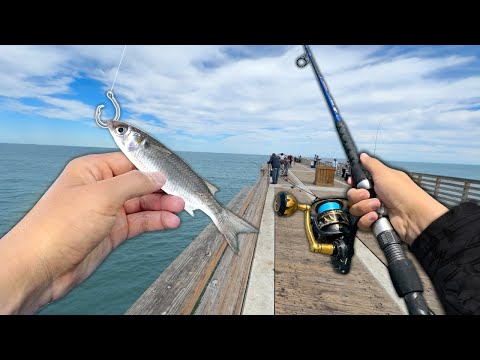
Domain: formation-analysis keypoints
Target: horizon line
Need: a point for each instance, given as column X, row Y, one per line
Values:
column 231, row 153
column 113, row 148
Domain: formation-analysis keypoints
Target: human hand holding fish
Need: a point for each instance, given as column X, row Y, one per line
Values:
column 97, row 203
column 148, row 154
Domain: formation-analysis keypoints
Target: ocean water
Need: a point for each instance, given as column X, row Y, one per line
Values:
column 28, row 170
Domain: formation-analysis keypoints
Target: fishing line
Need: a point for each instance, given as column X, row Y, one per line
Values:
column 118, row 68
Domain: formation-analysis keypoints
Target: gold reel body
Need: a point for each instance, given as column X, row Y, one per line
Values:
column 326, row 222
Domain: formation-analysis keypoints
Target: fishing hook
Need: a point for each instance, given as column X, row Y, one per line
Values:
column 98, row 111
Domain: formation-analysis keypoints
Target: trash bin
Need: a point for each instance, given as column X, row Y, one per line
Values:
column 325, row 175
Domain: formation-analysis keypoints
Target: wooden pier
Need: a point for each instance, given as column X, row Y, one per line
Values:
column 207, row 277
column 275, row 273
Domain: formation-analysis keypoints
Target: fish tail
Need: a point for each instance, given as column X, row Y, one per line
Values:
column 230, row 225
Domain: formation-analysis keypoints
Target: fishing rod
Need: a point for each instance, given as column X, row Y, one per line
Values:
column 293, row 186
column 403, row 274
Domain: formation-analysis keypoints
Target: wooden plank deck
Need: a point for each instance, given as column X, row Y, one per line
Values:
column 226, row 290
column 305, row 282
column 208, row 279
column 193, row 283
column 178, row 288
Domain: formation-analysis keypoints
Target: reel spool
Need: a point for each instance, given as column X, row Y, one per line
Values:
column 329, row 227
column 331, row 220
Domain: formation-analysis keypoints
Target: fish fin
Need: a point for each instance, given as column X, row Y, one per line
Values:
column 189, row 210
column 211, row 187
column 232, row 226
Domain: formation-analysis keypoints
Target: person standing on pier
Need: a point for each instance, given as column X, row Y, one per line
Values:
column 275, row 163
column 286, row 165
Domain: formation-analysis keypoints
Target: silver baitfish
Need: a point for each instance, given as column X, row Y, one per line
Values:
column 148, row 154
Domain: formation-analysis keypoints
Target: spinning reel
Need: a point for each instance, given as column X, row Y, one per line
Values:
column 329, row 226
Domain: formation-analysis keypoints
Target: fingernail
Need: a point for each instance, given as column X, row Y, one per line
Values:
column 159, row 178
column 373, row 205
column 364, row 155
column 372, row 217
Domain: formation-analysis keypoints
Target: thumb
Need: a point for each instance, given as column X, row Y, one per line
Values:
column 373, row 166
column 130, row 185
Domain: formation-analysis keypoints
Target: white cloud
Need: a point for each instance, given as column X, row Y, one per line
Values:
column 263, row 103
column 54, row 108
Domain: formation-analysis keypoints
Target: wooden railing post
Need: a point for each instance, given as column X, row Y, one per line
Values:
column 466, row 189
column 263, row 169
column 437, row 186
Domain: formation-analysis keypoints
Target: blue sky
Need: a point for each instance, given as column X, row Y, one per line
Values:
column 249, row 99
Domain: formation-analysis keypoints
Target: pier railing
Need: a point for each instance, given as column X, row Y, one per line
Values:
column 207, row 277
column 450, row 191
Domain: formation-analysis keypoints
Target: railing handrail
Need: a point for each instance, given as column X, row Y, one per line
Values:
column 445, row 190
column 449, row 190
column 472, row 181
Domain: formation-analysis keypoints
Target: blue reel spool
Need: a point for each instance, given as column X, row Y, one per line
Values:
column 331, row 205
column 332, row 220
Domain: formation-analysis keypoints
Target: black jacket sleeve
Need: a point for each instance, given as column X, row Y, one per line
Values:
column 449, row 251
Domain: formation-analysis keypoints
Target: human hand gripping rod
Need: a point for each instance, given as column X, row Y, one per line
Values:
column 402, row 271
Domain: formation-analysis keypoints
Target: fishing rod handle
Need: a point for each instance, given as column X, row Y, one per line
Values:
column 402, row 271
column 360, row 175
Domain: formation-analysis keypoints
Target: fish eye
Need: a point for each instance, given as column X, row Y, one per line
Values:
column 120, row 130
